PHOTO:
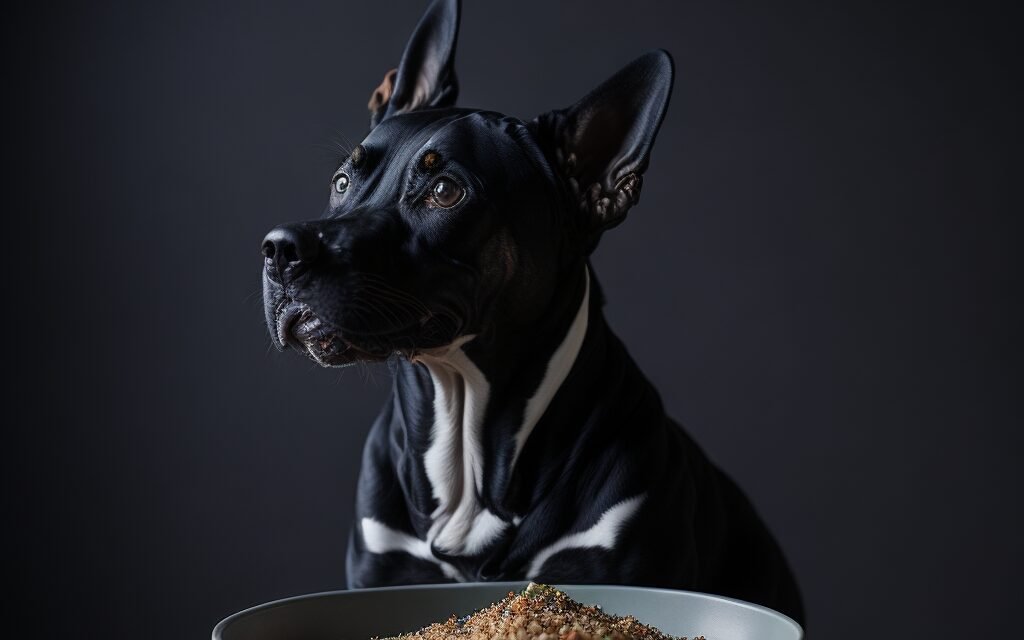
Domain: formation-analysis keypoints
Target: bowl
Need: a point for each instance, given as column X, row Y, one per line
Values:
column 361, row 614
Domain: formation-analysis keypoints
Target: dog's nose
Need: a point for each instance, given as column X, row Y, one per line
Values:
column 291, row 247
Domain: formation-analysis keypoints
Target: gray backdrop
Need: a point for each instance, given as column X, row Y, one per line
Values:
column 819, row 279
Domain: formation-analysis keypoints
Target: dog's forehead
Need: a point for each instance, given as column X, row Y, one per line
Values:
column 481, row 138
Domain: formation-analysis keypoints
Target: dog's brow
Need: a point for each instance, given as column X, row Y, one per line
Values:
column 392, row 154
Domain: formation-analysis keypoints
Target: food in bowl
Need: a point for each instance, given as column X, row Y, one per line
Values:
column 540, row 612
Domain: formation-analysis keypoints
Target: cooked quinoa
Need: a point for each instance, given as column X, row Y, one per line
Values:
column 539, row 613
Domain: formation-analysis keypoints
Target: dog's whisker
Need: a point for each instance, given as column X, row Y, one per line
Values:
column 371, row 280
column 252, row 296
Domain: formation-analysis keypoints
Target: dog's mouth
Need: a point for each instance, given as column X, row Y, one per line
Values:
column 300, row 328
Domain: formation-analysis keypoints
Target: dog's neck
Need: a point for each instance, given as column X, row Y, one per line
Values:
column 484, row 403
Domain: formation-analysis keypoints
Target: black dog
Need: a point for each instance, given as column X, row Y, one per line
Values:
column 520, row 441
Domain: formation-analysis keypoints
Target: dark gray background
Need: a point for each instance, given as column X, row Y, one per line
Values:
column 820, row 280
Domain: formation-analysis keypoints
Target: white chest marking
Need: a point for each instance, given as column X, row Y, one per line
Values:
column 454, row 459
column 603, row 534
column 380, row 538
column 485, row 529
column 558, row 368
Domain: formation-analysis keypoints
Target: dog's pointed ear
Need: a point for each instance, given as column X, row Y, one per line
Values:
column 602, row 143
column 426, row 75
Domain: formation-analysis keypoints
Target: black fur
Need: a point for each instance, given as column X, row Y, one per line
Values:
column 452, row 226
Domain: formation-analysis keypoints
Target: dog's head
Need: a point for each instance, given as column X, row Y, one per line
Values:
column 444, row 223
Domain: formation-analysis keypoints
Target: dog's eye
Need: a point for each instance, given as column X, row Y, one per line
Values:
column 341, row 183
column 445, row 194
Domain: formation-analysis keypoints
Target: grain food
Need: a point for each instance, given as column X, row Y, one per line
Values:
column 539, row 613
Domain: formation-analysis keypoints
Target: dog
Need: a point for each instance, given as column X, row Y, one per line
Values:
column 520, row 440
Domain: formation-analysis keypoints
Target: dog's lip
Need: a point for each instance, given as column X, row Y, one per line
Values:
column 300, row 328
column 289, row 315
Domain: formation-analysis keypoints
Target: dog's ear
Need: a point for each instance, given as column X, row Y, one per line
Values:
column 426, row 75
column 602, row 143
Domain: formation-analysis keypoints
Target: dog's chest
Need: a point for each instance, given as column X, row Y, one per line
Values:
column 461, row 458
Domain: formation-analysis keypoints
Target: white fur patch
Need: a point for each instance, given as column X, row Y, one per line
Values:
column 558, row 368
column 485, row 529
column 603, row 534
column 380, row 538
column 454, row 460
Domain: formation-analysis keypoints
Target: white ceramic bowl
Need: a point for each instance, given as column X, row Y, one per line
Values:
column 362, row 614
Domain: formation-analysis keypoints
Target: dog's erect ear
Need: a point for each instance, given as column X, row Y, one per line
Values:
column 426, row 76
column 603, row 142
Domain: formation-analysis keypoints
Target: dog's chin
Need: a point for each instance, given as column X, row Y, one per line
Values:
column 300, row 328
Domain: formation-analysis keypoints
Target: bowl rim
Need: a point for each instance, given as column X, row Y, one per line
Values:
column 273, row 604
